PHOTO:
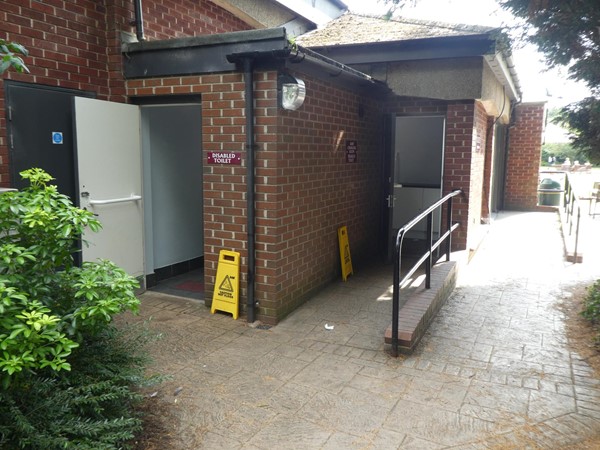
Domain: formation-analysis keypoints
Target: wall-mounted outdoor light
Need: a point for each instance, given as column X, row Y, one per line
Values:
column 293, row 92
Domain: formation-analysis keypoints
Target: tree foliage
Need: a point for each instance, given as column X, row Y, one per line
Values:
column 567, row 32
column 583, row 118
column 9, row 56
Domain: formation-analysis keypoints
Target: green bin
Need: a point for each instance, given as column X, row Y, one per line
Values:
column 549, row 192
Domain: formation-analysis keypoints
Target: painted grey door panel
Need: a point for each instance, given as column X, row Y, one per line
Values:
column 110, row 180
column 417, row 162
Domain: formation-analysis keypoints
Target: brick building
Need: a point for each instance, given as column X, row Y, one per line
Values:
column 220, row 164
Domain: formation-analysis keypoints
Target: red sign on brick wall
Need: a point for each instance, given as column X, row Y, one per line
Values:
column 351, row 149
column 231, row 158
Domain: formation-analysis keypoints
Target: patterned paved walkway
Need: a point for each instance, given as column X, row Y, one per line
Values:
column 494, row 371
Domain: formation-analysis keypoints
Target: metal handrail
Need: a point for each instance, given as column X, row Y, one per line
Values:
column 570, row 200
column 426, row 258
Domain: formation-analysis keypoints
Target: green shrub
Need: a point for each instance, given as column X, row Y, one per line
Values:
column 47, row 305
column 66, row 374
column 90, row 407
column 591, row 303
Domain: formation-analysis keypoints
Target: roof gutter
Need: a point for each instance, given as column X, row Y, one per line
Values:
column 303, row 53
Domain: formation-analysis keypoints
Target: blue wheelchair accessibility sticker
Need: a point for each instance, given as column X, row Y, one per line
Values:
column 57, row 137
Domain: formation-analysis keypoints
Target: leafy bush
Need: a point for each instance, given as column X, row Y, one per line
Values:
column 90, row 407
column 65, row 373
column 591, row 303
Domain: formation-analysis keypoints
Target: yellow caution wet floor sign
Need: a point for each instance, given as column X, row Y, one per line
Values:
column 227, row 284
column 345, row 258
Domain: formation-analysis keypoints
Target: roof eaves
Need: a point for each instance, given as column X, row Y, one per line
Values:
column 504, row 69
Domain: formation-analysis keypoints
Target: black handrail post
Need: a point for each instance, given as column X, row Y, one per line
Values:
column 429, row 245
column 448, row 226
column 425, row 258
column 396, row 295
column 566, row 193
column 572, row 200
column 576, row 235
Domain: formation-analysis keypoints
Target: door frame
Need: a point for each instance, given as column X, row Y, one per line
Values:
column 153, row 277
column 390, row 168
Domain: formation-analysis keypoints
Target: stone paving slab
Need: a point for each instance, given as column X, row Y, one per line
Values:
column 494, row 370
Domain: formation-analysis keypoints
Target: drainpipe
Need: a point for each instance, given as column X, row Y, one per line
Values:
column 139, row 20
column 246, row 60
column 249, row 100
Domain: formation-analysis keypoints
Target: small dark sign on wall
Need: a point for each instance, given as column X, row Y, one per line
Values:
column 231, row 158
column 351, row 151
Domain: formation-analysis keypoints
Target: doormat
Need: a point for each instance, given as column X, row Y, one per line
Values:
column 192, row 286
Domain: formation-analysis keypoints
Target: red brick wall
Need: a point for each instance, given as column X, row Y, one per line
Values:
column 320, row 191
column 457, row 165
column 523, row 159
column 67, row 49
column 476, row 189
column 76, row 44
column 223, row 130
column 305, row 189
column 179, row 18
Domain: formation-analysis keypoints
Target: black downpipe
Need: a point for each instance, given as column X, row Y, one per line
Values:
column 139, row 20
column 249, row 99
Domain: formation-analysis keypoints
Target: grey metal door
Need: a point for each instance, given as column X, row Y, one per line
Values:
column 37, row 117
column 416, row 173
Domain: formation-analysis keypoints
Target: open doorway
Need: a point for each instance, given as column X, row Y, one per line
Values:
column 173, row 207
column 416, row 162
column 97, row 163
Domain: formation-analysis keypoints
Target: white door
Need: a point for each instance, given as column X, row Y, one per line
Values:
column 110, row 181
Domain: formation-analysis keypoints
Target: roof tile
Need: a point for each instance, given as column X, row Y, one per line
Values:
column 353, row 28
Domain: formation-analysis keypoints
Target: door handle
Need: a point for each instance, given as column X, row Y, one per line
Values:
column 131, row 198
column 390, row 200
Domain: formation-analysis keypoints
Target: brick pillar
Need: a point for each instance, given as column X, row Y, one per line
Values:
column 523, row 159
column 457, row 165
